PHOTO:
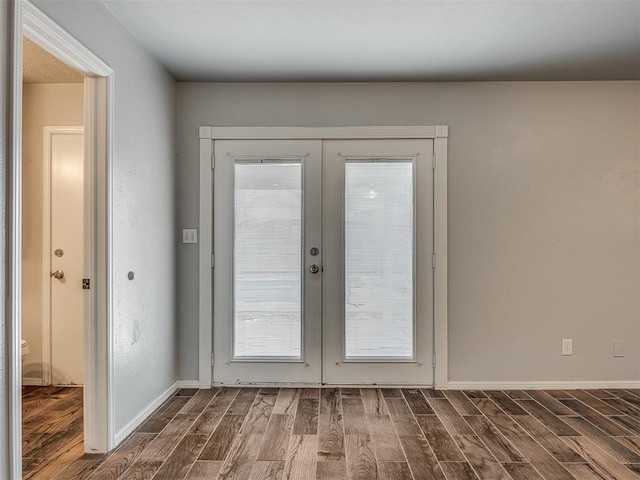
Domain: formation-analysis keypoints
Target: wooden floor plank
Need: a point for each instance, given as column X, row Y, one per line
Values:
column 461, row 403
column 330, row 437
column 602, row 463
column 522, row 471
column 403, row 420
column 417, row 402
column 600, row 421
column 301, row 458
column 162, row 446
column 450, row 417
column 199, row 401
column 596, row 404
column 609, row 444
column 373, row 402
column 482, row 461
column 394, row 471
column 458, row 471
column 353, row 417
column 122, row 458
column 286, row 402
column 421, row 459
column 505, row 403
column 583, row 471
column 495, row 442
column 243, row 401
column 161, row 417
column 222, row 438
column 207, row 422
column 276, row 438
column 306, row 422
column 201, row 470
column 181, row 459
column 443, row 445
column 330, row 401
column 141, row 470
column 258, row 417
column 360, row 456
column 550, row 403
column 547, row 439
column 242, row 457
column 385, row 442
column 549, row 420
column 267, row 470
column 331, row 471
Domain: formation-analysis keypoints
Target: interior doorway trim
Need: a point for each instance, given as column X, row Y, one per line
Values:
column 208, row 134
column 29, row 21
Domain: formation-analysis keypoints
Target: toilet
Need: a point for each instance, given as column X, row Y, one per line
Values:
column 24, row 349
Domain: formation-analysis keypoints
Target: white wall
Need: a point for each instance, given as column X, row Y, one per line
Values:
column 543, row 212
column 42, row 105
column 143, row 201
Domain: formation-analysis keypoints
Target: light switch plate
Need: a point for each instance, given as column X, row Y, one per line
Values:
column 618, row 348
column 189, row 235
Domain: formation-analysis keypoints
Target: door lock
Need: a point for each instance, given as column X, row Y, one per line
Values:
column 58, row 274
column 314, row 268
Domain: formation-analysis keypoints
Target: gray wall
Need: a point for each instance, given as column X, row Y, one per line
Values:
column 144, row 309
column 543, row 212
column 5, row 29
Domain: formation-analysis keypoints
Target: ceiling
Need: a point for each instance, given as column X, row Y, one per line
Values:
column 39, row 66
column 368, row 40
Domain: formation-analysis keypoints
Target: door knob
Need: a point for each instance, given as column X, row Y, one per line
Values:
column 59, row 274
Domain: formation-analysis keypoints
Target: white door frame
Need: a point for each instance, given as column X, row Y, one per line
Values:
column 208, row 135
column 29, row 21
column 46, row 247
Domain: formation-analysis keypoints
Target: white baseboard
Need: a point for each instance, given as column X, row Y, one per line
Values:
column 32, row 381
column 144, row 414
column 188, row 384
column 572, row 385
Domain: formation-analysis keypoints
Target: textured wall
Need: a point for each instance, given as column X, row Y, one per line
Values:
column 42, row 105
column 143, row 202
column 543, row 212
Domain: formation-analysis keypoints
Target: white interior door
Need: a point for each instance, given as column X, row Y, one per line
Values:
column 378, row 276
column 323, row 269
column 267, row 234
column 66, row 256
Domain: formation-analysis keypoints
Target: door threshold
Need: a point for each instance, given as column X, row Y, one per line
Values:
column 319, row 385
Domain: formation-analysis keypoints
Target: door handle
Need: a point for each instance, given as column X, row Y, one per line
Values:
column 58, row 274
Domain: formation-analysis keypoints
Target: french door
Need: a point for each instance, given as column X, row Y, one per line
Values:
column 323, row 261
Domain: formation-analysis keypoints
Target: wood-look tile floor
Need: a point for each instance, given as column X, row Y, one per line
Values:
column 365, row 434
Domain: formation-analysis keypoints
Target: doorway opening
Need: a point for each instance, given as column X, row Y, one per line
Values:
column 52, row 259
column 96, row 396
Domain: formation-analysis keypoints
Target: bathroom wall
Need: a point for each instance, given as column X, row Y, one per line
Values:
column 43, row 105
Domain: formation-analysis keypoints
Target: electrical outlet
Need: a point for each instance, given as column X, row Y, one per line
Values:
column 189, row 235
column 618, row 348
column 567, row 346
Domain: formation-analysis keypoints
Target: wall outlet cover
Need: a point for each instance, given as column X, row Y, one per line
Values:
column 567, row 346
column 189, row 235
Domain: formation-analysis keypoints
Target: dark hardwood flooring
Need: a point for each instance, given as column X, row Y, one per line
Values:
column 347, row 433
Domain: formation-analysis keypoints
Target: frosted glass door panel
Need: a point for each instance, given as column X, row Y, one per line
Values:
column 379, row 253
column 267, row 259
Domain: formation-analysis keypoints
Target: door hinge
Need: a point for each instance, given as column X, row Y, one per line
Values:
column 433, row 261
column 86, row 284
column 213, row 161
column 433, row 161
column 213, row 261
column 212, row 359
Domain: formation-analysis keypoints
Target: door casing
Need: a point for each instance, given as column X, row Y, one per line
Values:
column 207, row 136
